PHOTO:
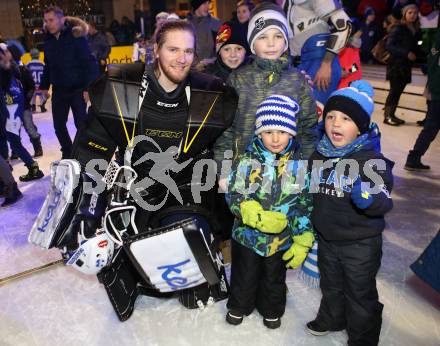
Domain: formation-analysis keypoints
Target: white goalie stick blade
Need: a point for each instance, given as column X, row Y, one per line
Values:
column 60, row 204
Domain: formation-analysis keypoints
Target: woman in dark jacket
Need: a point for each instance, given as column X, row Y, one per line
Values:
column 402, row 45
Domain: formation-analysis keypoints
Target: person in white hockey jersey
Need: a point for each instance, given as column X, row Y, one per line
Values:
column 318, row 31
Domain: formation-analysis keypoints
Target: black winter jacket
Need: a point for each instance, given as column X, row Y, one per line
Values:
column 334, row 215
column 401, row 40
column 68, row 62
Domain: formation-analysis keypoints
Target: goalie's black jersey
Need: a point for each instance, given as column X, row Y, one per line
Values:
column 114, row 118
column 162, row 118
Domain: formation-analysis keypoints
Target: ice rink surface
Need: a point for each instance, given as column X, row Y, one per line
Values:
column 63, row 307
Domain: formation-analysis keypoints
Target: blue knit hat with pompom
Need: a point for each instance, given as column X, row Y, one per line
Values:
column 356, row 101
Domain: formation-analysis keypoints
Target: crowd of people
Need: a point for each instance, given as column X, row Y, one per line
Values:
column 270, row 63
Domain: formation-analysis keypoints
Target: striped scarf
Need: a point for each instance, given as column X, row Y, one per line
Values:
column 309, row 270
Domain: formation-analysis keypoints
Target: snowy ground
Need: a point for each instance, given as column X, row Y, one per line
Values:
column 62, row 306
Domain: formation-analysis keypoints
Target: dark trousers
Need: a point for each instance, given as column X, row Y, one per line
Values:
column 397, row 86
column 18, row 148
column 257, row 282
column 62, row 101
column 14, row 142
column 348, row 284
column 430, row 129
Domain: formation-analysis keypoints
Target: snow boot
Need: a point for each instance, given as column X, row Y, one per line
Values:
column 33, row 174
column 12, row 194
column 38, row 149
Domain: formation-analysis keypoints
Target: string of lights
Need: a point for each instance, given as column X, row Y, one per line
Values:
column 35, row 8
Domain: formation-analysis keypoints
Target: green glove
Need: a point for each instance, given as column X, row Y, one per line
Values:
column 249, row 211
column 272, row 222
column 297, row 253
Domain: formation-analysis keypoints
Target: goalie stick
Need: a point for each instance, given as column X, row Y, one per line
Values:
column 30, row 271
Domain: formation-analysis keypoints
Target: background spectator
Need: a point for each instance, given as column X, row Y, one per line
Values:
column 371, row 34
column 379, row 7
column 99, row 46
column 69, row 68
column 206, row 30
column 244, row 8
column 402, row 45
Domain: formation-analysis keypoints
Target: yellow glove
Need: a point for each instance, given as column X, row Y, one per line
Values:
column 272, row 222
column 297, row 253
column 306, row 239
column 249, row 211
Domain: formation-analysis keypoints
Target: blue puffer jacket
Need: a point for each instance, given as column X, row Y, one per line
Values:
column 68, row 61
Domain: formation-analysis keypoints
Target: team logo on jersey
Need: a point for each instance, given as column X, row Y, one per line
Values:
column 300, row 26
column 163, row 134
column 354, row 68
column 224, row 34
column 9, row 99
column 260, row 23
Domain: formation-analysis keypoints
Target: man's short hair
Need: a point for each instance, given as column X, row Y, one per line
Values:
column 55, row 9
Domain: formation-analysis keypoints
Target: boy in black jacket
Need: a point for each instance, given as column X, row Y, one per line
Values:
column 350, row 201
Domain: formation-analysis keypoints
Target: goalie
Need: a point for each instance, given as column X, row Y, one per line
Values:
column 137, row 221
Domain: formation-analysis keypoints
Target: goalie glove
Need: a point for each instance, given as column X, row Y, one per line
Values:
column 87, row 219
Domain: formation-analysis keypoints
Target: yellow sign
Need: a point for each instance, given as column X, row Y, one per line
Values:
column 213, row 8
column 118, row 55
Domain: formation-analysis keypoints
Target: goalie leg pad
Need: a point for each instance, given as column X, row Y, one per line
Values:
column 173, row 257
column 200, row 296
column 59, row 206
column 120, row 280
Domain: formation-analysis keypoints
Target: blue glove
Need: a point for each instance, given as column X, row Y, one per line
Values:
column 360, row 195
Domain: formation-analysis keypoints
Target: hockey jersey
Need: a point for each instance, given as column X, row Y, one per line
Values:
column 36, row 68
column 307, row 18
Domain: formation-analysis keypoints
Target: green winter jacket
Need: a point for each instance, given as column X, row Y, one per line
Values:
column 255, row 82
column 281, row 188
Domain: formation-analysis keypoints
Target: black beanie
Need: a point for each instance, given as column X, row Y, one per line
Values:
column 195, row 4
column 229, row 33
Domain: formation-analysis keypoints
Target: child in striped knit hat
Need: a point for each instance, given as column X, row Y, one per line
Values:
column 268, row 195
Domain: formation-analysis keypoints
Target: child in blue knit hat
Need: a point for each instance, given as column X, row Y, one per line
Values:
column 349, row 204
column 268, row 195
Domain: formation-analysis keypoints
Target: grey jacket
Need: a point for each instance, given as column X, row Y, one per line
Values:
column 253, row 84
column 206, row 31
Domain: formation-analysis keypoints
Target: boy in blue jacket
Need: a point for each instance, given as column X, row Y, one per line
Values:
column 271, row 215
column 348, row 215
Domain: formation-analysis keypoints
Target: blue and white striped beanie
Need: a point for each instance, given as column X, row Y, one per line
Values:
column 277, row 112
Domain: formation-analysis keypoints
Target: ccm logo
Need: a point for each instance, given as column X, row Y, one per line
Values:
column 169, row 105
column 102, row 243
column 97, row 146
column 320, row 43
